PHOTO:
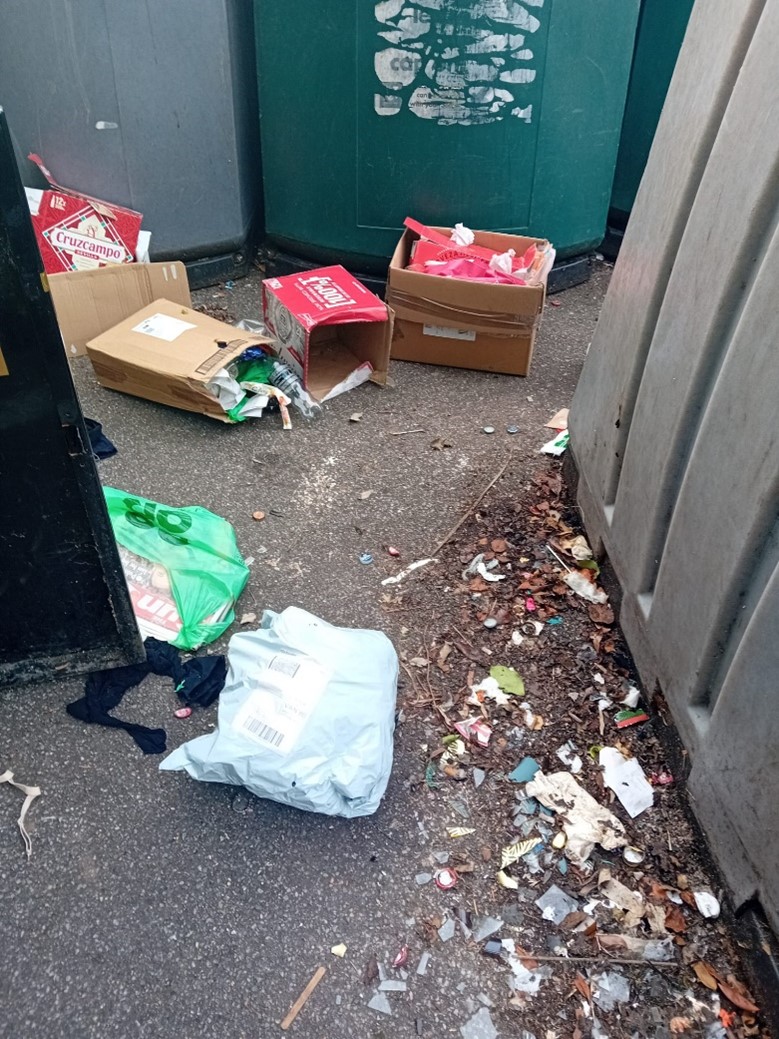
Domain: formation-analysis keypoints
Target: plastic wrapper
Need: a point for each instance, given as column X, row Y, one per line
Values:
column 306, row 717
column 182, row 565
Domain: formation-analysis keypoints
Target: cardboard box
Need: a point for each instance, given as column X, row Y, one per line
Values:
column 168, row 353
column 90, row 302
column 464, row 324
column 333, row 332
column 78, row 232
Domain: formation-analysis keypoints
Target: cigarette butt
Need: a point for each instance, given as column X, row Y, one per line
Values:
column 303, row 998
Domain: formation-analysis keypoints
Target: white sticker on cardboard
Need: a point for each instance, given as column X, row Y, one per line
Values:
column 465, row 335
column 277, row 709
column 160, row 326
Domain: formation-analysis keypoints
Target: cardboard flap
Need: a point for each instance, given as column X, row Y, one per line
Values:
column 92, row 301
column 101, row 207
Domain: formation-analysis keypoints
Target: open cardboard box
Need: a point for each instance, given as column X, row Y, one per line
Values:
column 334, row 333
column 465, row 324
column 90, row 302
column 169, row 353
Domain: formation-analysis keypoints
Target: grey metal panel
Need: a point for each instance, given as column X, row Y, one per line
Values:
column 674, row 434
column 151, row 105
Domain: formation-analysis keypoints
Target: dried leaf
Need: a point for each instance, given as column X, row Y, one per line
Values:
column 674, row 920
column 356, row 416
column 443, row 654
column 582, row 987
column 513, row 852
column 419, row 661
column 704, row 975
column 508, row 680
column 498, row 545
column 738, row 996
column 679, row 1025
column 601, row 613
column 439, row 444
column 371, row 971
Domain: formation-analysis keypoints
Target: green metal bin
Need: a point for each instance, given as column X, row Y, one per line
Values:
column 661, row 28
column 505, row 115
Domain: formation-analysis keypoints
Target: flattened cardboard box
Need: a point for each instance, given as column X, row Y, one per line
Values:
column 90, row 302
column 333, row 332
column 464, row 324
column 168, row 353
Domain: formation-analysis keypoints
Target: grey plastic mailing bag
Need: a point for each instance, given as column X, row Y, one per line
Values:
column 306, row 716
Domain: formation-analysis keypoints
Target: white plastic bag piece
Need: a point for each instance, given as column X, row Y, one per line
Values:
column 626, row 778
column 306, row 717
column 225, row 389
column 462, row 235
column 503, row 262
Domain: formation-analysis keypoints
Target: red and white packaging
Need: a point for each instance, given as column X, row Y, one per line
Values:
column 78, row 232
column 332, row 331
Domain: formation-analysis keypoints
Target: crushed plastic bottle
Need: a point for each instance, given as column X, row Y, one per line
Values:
column 284, row 379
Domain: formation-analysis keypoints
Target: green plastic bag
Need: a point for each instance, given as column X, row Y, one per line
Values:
column 183, row 568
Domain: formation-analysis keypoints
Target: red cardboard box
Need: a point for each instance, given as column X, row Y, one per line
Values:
column 77, row 232
column 332, row 331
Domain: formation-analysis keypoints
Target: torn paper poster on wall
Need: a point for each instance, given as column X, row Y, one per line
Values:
column 456, row 61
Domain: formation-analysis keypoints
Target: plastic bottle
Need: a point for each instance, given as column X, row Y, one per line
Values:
column 284, row 379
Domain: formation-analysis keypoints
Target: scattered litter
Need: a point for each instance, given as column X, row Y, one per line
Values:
column 182, row 712
column 30, row 794
column 477, row 567
column 530, row 604
column 259, row 515
column 441, row 857
column 555, row 621
column 631, row 698
column 494, row 947
column 578, row 546
column 365, row 495
column 511, row 430
column 508, row 679
column 624, row 719
column 248, row 618
column 557, row 445
column 370, row 971
column 514, row 852
column 630, row 902
column 380, row 1004
column 632, row 855
column 423, row 878
column 459, row 831
column 490, row 623
column 366, row 558
column 485, row 927
column 506, row 881
column 524, row 771
column 524, row 979
column 488, row 429
column 476, row 730
column 408, row 570
column 579, row 582
column 662, row 778
column 424, row 960
column 626, row 778
column 445, row 879
column 707, row 904
column 404, row 432
column 392, row 985
column 402, row 958
column 356, row 416
column 532, row 628
column 339, row 950
column 479, row 776
column 555, row 905
column 446, row 930
column 559, row 420
column 392, row 551
column 609, row 989
column 585, row 821
column 516, row 638
column 559, row 841
column 567, row 754
column 479, row 1026
column 303, row 998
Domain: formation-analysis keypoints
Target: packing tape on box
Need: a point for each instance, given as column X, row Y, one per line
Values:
column 417, row 308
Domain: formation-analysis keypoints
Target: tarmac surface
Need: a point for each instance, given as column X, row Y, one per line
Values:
column 157, row 907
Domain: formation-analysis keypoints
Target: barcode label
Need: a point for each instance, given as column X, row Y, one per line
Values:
column 263, row 731
column 286, row 691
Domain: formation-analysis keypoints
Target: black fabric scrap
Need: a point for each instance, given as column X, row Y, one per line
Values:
column 101, row 446
column 198, row 682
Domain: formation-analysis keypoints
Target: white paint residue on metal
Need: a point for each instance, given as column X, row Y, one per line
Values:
column 444, row 62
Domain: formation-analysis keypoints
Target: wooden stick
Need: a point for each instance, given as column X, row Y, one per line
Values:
column 403, row 432
column 473, row 507
column 303, row 998
column 604, row 958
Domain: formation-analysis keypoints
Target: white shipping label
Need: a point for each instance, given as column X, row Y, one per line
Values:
column 277, row 709
column 160, row 326
column 465, row 335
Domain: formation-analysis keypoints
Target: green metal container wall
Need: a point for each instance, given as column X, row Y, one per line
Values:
column 661, row 29
column 500, row 114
